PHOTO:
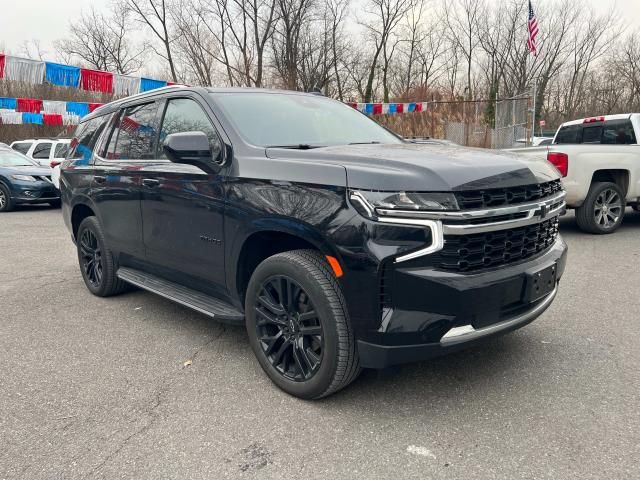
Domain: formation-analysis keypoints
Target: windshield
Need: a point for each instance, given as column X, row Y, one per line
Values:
column 9, row 158
column 299, row 121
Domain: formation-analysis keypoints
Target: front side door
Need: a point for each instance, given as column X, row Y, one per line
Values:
column 42, row 153
column 183, row 206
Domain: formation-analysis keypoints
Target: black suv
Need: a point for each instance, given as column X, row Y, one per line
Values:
column 338, row 244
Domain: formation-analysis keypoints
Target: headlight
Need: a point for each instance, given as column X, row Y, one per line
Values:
column 368, row 203
column 24, row 178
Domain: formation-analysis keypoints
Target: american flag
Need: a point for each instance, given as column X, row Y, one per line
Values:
column 533, row 31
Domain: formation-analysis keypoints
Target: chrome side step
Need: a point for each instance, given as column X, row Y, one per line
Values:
column 188, row 297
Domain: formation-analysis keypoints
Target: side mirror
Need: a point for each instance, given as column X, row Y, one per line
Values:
column 191, row 148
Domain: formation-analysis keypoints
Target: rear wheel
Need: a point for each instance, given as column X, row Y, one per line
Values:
column 603, row 209
column 6, row 202
column 298, row 325
column 96, row 260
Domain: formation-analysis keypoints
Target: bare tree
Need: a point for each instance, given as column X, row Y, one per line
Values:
column 154, row 14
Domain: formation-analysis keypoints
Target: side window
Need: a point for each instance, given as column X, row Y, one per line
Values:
column 592, row 134
column 22, row 147
column 185, row 115
column 61, row 150
column 619, row 132
column 85, row 138
column 42, row 150
column 133, row 137
column 569, row 134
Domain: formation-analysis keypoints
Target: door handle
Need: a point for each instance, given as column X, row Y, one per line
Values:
column 99, row 179
column 150, row 182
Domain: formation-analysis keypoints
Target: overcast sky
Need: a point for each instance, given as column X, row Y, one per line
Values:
column 48, row 20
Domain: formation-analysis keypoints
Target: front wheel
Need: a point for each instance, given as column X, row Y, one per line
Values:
column 603, row 209
column 298, row 325
column 6, row 202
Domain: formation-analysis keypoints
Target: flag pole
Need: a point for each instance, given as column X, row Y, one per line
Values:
column 533, row 113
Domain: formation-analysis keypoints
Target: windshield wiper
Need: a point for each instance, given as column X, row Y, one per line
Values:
column 365, row 143
column 299, row 146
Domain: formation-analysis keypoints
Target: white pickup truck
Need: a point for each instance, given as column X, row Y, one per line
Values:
column 599, row 159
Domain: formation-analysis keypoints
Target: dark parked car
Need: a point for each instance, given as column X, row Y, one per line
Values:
column 22, row 181
column 339, row 245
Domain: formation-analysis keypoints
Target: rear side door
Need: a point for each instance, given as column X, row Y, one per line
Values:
column 183, row 206
column 128, row 145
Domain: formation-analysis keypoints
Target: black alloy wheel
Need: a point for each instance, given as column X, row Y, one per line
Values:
column 96, row 260
column 91, row 258
column 288, row 328
column 298, row 325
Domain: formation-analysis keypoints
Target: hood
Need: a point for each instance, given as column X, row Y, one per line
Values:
column 426, row 167
column 26, row 170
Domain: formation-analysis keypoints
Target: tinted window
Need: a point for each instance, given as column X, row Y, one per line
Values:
column 42, row 150
column 61, row 150
column 22, row 147
column 284, row 119
column 85, row 138
column 592, row 134
column 134, row 136
column 619, row 132
column 185, row 115
column 569, row 134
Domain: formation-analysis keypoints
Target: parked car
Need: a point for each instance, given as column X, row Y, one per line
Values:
column 338, row 245
column 48, row 152
column 533, row 142
column 599, row 160
column 23, row 181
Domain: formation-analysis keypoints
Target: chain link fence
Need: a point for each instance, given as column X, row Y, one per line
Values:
column 475, row 123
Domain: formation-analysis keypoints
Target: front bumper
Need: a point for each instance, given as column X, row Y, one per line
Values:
column 34, row 192
column 435, row 312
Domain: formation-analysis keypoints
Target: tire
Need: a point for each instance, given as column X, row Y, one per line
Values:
column 302, row 364
column 6, row 202
column 55, row 204
column 101, row 279
column 590, row 215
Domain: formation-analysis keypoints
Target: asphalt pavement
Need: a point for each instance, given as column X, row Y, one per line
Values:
column 137, row 387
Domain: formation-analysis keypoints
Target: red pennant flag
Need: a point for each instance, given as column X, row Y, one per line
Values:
column 377, row 108
column 96, row 81
column 54, row 119
column 30, row 105
column 93, row 106
column 399, row 107
column 1, row 65
column 418, row 107
column 353, row 105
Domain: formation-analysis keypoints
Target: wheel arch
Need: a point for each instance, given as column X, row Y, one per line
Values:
column 268, row 238
column 618, row 176
column 79, row 212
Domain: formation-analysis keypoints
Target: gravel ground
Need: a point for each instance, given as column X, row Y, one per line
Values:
column 98, row 388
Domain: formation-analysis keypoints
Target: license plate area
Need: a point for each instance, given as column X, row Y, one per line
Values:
column 541, row 283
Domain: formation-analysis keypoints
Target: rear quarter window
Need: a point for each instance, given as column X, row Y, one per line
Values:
column 619, row 132
column 22, row 147
column 85, row 138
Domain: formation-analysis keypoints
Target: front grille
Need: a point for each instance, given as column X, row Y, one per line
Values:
column 502, row 197
column 464, row 253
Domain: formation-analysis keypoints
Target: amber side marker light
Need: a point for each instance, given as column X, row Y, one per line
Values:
column 335, row 266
